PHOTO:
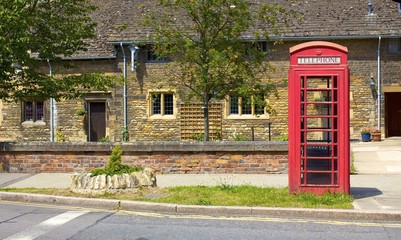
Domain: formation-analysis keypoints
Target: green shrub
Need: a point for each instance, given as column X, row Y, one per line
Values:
column 125, row 134
column 104, row 139
column 281, row 138
column 212, row 137
column 114, row 165
column 238, row 137
column 353, row 169
column 59, row 136
column 80, row 112
column 199, row 137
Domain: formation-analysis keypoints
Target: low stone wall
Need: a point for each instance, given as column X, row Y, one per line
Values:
column 86, row 182
column 164, row 157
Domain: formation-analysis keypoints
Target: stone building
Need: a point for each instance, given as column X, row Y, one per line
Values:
column 372, row 34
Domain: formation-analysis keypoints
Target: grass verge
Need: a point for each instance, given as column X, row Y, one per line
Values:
column 224, row 195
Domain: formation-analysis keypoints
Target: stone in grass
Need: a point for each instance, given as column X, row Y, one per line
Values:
column 102, row 181
column 114, row 175
column 84, row 180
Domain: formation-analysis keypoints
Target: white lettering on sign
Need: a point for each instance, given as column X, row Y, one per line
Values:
column 319, row 60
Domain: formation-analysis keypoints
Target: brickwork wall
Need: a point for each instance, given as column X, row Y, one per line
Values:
column 362, row 60
column 172, row 157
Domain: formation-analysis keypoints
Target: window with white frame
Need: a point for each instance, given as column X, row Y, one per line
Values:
column 162, row 104
column 394, row 45
column 33, row 111
column 244, row 106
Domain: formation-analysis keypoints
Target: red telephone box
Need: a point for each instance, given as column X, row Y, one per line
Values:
column 318, row 94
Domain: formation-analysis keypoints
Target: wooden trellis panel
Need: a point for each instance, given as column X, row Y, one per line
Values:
column 192, row 125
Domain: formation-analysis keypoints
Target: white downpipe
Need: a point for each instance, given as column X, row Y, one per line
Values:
column 51, row 106
column 125, row 87
column 379, row 95
column 134, row 56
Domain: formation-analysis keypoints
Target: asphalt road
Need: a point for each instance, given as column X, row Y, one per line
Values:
column 34, row 221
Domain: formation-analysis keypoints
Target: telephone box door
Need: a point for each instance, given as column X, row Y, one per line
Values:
column 319, row 128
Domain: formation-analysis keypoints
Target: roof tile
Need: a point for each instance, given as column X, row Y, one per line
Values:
column 119, row 20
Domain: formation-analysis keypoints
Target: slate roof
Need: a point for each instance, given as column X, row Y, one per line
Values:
column 119, row 20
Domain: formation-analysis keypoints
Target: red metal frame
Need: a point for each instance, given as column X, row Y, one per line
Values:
column 318, row 93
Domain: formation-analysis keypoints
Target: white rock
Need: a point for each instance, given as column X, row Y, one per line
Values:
column 127, row 180
column 109, row 182
column 102, row 181
column 116, row 183
column 91, row 183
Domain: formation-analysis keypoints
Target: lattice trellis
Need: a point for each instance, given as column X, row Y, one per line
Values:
column 192, row 121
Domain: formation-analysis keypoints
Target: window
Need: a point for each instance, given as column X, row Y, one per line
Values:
column 258, row 46
column 394, row 45
column 234, row 107
column 152, row 57
column 33, row 111
column 162, row 104
column 244, row 106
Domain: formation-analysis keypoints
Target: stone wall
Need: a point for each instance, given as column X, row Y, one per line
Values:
column 164, row 157
column 362, row 60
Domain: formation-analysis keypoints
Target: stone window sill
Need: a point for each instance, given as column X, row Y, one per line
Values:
column 33, row 123
column 246, row 116
column 163, row 117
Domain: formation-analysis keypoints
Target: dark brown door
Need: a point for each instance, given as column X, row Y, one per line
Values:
column 393, row 114
column 97, row 121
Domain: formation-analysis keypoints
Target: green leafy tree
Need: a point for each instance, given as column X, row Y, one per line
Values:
column 33, row 32
column 217, row 47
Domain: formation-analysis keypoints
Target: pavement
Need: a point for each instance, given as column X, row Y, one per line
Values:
column 376, row 189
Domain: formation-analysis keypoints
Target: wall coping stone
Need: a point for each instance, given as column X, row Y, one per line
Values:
column 173, row 146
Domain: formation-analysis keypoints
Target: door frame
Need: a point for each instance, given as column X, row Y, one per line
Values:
column 388, row 103
column 88, row 103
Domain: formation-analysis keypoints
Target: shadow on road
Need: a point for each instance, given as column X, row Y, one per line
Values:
column 358, row 192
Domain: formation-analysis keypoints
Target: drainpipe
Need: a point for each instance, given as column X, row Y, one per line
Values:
column 125, row 88
column 134, row 56
column 51, row 106
column 379, row 85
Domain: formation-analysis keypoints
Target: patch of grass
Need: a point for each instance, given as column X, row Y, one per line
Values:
column 253, row 196
column 353, row 169
column 223, row 195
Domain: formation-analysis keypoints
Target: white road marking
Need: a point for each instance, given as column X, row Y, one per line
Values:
column 46, row 226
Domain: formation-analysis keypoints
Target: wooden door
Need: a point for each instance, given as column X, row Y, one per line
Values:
column 393, row 114
column 97, row 121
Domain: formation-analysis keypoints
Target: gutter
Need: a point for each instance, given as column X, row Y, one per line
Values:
column 284, row 38
column 90, row 57
column 309, row 38
column 289, row 38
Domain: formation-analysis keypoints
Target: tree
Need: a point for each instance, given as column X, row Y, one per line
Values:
column 217, row 46
column 33, row 32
